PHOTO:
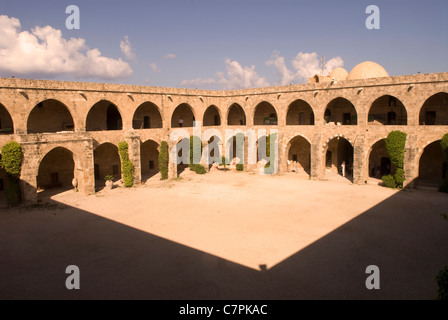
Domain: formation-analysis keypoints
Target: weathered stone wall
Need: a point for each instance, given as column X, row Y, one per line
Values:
column 19, row 98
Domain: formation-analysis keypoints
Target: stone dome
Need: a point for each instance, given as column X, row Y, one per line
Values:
column 367, row 70
column 339, row 74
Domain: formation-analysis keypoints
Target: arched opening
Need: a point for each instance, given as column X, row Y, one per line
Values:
column 183, row 155
column 147, row 116
column 236, row 116
column 211, row 117
column 3, row 186
column 341, row 111
column 435, row 110
column 299, row 156
column 106, row 163
column 379, row 162
column 149, row 155
column 50, row 116
column 214, row 150
column 183, row 116
column 339, row 158
column 300, row 113
column 432, row 165
column 265, row 114
column 56, row 171
column 6, row 125
column 387, row 110
column 103, row 116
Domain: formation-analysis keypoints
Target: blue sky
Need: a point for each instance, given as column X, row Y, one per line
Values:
column 217, row 44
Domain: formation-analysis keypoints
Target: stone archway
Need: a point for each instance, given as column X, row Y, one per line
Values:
column 339, row 151
column 56, row 171
column 6, row 123
column 149, row 155
column 435, row 110
column 299, row 155
column 104, row 116
column 341, row 111
column 265, row 114
column 212, row 117
column 106, row 163
column 236, row 115
column 50, row 116
column 183, row 116
column 432, row 165
column 387, row 110
column 300, row 113
column 147, row 116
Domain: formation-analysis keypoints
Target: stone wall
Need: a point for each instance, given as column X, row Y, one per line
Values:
column 19, row 100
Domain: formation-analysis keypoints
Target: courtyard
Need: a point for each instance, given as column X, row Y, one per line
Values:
column 227, row 235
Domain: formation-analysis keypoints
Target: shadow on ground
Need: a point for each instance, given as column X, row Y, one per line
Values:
column 408, row 241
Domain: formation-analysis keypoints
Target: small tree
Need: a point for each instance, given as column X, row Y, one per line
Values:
column 126, row 164
column 11, row 161
column 395, row 144
column 163, row 160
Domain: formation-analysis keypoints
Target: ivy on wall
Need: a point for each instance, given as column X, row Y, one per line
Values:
column 11, row 162
column 127, row 167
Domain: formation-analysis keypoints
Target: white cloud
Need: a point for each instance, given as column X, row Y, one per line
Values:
column 197, row 82
column 169, row 56
column 278, row 62
column 235, row 77
column 154, row 67
column 126, row 49
column 44, row 52
column 239, row 77
column 305, row 65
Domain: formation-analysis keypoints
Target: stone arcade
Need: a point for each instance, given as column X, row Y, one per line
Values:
column 71, row 130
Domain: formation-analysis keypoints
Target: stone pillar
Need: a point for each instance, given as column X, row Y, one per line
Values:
column 316, row 158
column 282, row 155
column 28, row 177
column 411, row 160
column 133, row 140
column 359, row 160
column 87, row 174
column 172, row 158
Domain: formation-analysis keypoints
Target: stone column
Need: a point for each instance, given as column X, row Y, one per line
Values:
column 359, row 160
column 172, row 165
column 411, row 160
column 87, row 176
column 28, row 177
column 316, row 157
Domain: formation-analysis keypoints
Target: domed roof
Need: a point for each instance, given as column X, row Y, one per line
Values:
column 339, row 74
column 367, row 70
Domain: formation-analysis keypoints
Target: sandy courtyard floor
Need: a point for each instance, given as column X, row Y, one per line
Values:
column 227, row 235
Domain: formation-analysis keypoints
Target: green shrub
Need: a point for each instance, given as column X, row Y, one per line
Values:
column 11, row 159
column 127, row 168
column 395, row 144
column 399, row 177
column 442, row 281
column 444, row 144
column 199, row 169
column 389, row 181
column 163, row 160
column 239, row 167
